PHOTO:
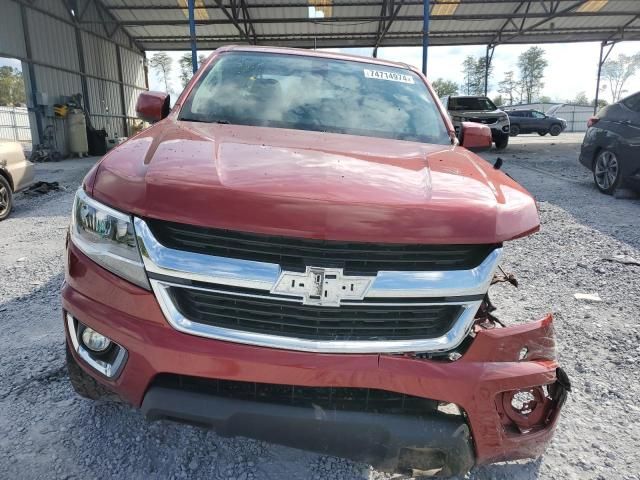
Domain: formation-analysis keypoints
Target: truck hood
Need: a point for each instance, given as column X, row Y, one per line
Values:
column 312, row 185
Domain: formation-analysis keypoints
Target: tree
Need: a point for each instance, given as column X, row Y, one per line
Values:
column 581, row 99
column 11, row 86
column 544, row 99
column 509, row 86
column 531, row 64
column 499, row 101
column 186, row 67
column 617, row 72
column 601, row 102
column 161, row 63
column 473, row 70
column 468, row 71
column 444, row 87
column 481, row 71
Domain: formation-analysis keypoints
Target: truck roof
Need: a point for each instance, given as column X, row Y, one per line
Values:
column 315, row 53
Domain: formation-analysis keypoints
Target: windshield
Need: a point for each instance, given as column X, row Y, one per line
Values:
column 321, row 94
column 478, row 104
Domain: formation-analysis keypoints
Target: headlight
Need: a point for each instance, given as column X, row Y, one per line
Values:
column 107, row 237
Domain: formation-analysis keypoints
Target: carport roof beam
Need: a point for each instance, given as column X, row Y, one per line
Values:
column 602, row 59
column 157, row 24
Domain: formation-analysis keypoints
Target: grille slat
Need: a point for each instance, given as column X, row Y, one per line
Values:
column 297, row 253
column 317, row 312
column 272, row 316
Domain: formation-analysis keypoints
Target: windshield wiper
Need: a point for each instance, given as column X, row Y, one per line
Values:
column 188, row 119
column 201, row 120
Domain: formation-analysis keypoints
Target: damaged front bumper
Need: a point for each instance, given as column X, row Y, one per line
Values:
column 505, row 388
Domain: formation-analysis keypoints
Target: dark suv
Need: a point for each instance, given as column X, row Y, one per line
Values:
column 533, row 121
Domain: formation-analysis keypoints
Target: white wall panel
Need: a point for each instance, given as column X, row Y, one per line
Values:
column 132, row 68
column 52, row 41
column 104, row 97
column 100, row 57
column 11, row 34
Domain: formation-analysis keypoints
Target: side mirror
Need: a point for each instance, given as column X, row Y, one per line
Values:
column 153, row 106
column 476, row 136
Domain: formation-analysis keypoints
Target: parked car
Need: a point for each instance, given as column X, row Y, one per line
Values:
column 611, row 145
column 300, row 252
column 533, row 121
column 16, row 173
column 479, row 110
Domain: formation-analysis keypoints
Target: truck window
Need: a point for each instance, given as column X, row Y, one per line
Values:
column 320, row 94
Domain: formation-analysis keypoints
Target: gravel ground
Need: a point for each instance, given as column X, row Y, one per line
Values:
column 48, row 432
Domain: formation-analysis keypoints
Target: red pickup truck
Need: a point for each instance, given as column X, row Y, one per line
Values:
column 300, row 251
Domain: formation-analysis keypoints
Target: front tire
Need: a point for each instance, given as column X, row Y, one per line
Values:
column 555, row 130
column 607, row 173
column 6, row 198
column 514, row 130
column 84, row 384
column 502, row 142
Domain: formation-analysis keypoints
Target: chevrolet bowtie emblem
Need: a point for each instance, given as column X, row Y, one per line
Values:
column 322, row 286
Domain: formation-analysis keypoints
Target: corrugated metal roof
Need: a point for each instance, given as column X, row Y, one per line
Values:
column 163, row 24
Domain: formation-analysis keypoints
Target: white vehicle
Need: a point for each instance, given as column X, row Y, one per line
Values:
column 479, row 110
column 16, row 173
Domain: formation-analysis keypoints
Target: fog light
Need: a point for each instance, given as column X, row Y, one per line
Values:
column 527, row 408
column 95, row 341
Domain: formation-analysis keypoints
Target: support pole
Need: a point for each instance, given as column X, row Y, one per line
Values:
column 601, row 60
column 488, row 58
column 32, row 73
column 83, row 70
column 123, row 102
column 595, row 100
column 192, row 34
column 425, row 35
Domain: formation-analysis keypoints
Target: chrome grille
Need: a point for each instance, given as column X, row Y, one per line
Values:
column 297, row 253
column 245, row 301
column 356, row 321
column 485, row 120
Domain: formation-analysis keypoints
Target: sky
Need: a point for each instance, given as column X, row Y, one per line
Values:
column 573, row 67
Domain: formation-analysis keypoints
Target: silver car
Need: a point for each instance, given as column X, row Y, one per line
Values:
column 479, row 110
column 16, row 173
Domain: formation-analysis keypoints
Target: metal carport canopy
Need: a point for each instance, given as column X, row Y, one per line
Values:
column 164, row 24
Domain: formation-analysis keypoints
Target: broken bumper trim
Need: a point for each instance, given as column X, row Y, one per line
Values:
column 386, row 441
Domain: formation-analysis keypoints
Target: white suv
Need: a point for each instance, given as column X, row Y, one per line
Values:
column 479, row 110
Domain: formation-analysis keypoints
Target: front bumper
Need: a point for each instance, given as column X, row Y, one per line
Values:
column 22, row 174
column 476, row 382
